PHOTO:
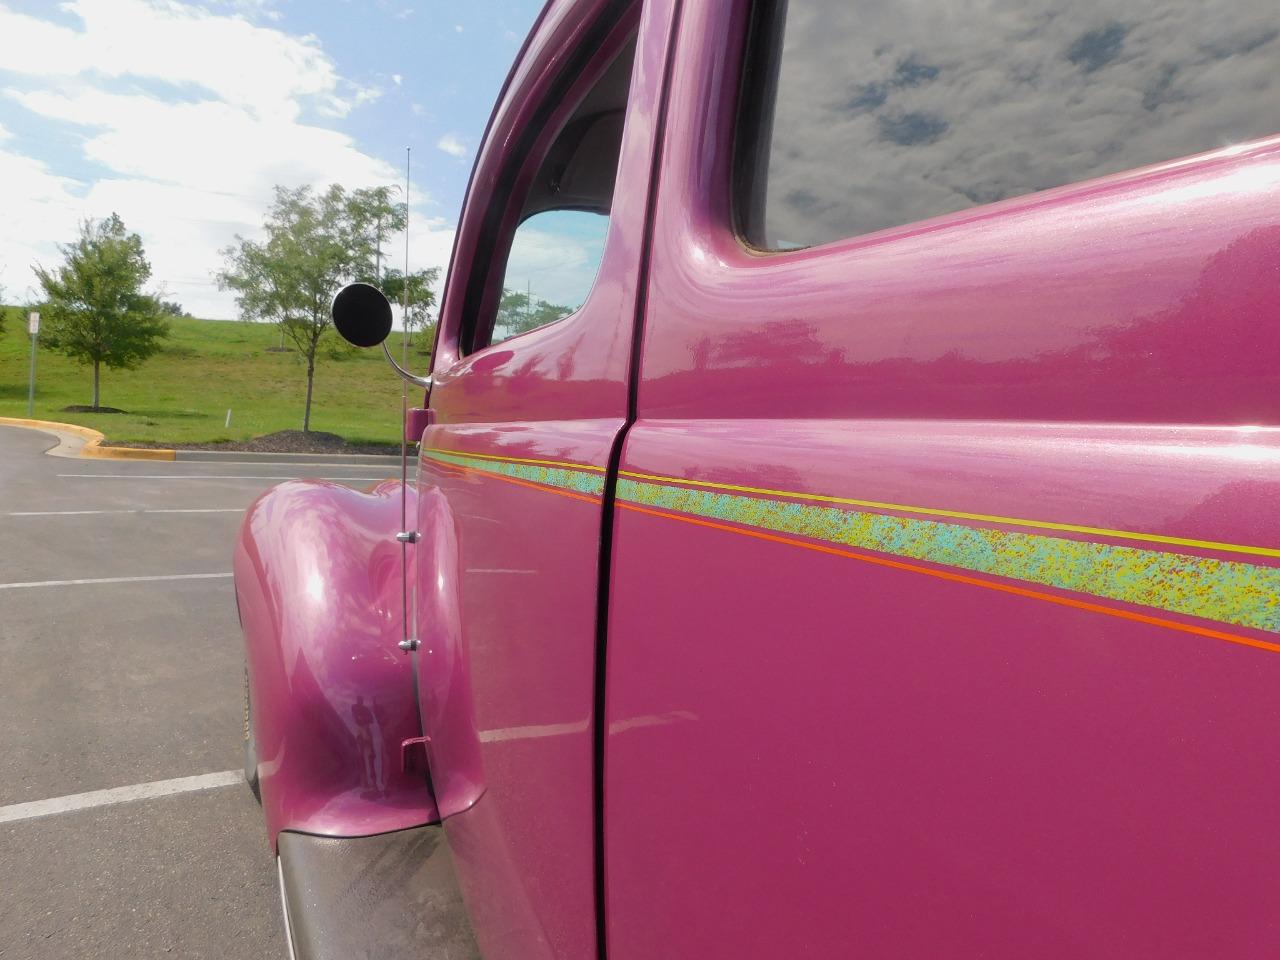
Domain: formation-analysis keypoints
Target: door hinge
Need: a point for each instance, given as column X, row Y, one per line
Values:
column 413, row 754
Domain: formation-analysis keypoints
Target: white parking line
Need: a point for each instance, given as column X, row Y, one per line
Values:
column 85, row 513
column 102, row 798
column 211, row 476
column 74, row 583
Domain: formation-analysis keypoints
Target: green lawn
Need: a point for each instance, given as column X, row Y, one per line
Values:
column 182, row 393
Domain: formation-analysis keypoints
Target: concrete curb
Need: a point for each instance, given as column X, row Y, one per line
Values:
column 77, row 441
column 242, row 456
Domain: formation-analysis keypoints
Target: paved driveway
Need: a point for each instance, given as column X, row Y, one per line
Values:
column 121, row 667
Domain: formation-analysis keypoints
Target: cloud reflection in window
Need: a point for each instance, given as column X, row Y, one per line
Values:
column 891, row 113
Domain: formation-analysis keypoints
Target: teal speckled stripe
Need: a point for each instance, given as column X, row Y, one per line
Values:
column 580, row 481
column 1225, row 590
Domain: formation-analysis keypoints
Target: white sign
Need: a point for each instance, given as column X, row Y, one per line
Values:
column 33, row 322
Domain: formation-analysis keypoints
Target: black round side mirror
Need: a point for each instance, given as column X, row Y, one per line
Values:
column 362, row 314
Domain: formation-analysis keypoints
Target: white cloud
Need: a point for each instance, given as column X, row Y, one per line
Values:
column 207, row 146
column 260, row 69
column 38, row 205
column 254, row 8
column 397, row 79
column 227, row 110
column 452, row 144
column 457, row 27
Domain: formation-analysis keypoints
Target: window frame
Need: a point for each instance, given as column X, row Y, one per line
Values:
column 583, row 67
column 752, row 136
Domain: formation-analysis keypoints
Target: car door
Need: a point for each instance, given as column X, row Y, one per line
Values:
column 529, row 398
column 945, row 607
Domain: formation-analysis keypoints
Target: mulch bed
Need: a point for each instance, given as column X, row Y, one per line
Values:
column 89, row 408
column 283, row 441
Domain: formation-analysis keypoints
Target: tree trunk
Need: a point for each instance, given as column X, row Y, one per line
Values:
column 311, row 375
column 96, row 381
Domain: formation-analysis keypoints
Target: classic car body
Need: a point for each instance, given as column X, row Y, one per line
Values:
column 916, row 592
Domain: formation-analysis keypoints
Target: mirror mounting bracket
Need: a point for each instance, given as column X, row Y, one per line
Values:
column 405, row 374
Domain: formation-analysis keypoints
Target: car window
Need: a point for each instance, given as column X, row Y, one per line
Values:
column 860, row 116
column 554, row 253
column 552, row 265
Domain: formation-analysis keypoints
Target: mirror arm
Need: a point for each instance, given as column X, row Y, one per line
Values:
column 424, row 382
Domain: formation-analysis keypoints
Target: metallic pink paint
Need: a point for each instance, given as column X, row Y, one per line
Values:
column 317, row 573
column 804, row 755
column 508, row 602
column 416, row 420
column 865, row 760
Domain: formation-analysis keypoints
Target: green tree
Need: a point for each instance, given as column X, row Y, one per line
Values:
column 94, row 310
column 518, row 313
column 171, row 308
column 314, row 244
column 421, row 297
column 542, row 313
column 512, row 310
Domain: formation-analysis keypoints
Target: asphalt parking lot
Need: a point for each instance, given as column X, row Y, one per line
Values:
column 121, row 667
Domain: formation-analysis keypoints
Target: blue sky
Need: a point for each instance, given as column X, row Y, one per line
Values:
column 181, row 116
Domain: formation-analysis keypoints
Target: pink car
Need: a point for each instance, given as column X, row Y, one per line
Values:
column 847, row 507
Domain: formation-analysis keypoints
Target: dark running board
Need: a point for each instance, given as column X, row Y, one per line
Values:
column 390, row 896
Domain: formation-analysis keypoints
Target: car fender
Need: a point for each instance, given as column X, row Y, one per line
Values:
column 444, row 673
column 318, row 581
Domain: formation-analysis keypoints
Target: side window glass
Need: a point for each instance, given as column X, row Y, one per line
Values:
column 552, row 265
column 860, row 115
column 558, row 244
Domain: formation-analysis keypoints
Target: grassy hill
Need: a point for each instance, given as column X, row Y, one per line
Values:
column 181, row 395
